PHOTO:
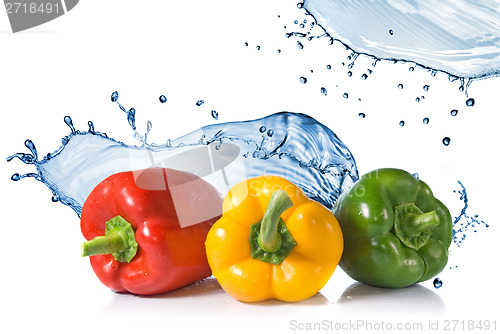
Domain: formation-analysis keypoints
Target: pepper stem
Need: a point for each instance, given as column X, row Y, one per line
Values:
column 414, row 224
column 106, row 244
column 118, row 240
column 270, row 239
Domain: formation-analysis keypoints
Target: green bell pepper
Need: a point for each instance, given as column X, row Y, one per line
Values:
column 396, row 233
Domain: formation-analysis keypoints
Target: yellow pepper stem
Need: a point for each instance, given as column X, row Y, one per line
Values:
column 270, row 239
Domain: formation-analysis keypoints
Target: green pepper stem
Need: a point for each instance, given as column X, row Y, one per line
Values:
column 107, row 244
column 119, row 240
column 270, row 239
column 414, row 224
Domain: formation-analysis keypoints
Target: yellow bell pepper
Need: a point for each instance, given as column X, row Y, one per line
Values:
column 272, row 241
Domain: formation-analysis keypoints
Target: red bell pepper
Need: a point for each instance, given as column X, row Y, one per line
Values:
column 147, row 229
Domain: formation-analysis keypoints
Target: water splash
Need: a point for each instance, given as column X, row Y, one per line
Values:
column 294, row 146
column 464, row 223
column 130, row 113
column 459, row 37
column 472, row 52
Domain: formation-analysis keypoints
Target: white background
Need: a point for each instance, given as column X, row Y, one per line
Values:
column 196, row 50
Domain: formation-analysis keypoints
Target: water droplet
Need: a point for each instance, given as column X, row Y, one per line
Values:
column 426, row 87
column 131, row 118
column 328, row 67
column 402, row 123
column 199, row 102
column 270, row 132
column 415, row 175
column 411, row 69
column 470, row 102
column 91, row 126
column 417, row 99
column 454, row 112
column 345, row 95
column 300, row 5
column 279, row 50
column 163, row 99
column 262, row 129
column 391, row 32
column 296, row 21
column 114, row 96
column 349, row 73
column 15, row 177
column 362, row 115
column 215, row 114
column 437, row 283
column 300, row 45
column 69, row 122
column 246, row 43
column 303, row 80
column 400, row 86
column 364, row 76
column 446, row 141
column 426, row 120
column 323, row 91
column 257, row 47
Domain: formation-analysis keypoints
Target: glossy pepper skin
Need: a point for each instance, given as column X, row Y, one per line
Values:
column 307, row 263
column 169, row 230
column 396, row 232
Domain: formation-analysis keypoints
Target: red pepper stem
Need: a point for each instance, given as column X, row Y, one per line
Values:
column 106, row 244
column 270, row 239
column 119, row 240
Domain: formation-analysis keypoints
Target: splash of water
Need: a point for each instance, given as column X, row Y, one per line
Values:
column 459, row 37
column 315, row 10
column 294, row 146
column 464, row 223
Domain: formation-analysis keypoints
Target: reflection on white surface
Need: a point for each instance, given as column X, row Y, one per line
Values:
column 365, row 298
